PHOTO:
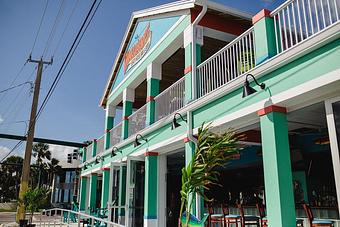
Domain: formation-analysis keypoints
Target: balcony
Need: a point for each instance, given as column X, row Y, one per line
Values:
column 294, row 22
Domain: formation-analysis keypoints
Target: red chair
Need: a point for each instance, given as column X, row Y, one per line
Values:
column 316, row 222
column 248, row 219
column 262, row 214
column 230, row 218
column 213, row 217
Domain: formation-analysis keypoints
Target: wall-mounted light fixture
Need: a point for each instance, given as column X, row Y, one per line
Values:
column 98, row 159
column 114, row 151
column 137, row 143
column 85, row 165
column 247, row 90
column 175, row 124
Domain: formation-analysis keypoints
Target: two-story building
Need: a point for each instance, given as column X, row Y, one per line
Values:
column 189, row 62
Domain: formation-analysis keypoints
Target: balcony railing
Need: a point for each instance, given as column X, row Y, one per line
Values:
column 296, row 20
column 89, row 151
column 233, row 60
column 100, row 145
column 137, row 120
column 170, row 100
column 116, row 134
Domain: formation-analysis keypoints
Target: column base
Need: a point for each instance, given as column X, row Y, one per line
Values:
column 150, row 222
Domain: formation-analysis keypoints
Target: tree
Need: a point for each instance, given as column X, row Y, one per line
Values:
column 34, row 199
column 41, row 152
column 10, row 174
column 213, row 150
column 53, row 168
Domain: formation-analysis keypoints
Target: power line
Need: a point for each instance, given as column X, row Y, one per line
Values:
column 54, row 27
column 41, row 21
column 18, row 85
column 70, row 53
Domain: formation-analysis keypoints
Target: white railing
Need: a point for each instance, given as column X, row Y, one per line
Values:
column 137, row 120
column 116, row 134
column 296, row 20
column 100, row 145
column 63, row 217
column 171, row 99
column 233, row 60
column 89, row 151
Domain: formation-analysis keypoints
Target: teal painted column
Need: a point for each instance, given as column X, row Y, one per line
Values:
column 109, row 122
column 189, row 153
column 128, row 99
column 93, row 190
column 94, row 148
column 151, row 185
column 152, row 92
column 264, row 31
column 188, row 69
column 83, row 189
column 105, row 187
column 83, row 156
column 277, row 167
column 122, row 189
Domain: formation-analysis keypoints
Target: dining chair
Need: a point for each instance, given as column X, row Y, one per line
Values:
column 248, row 219
column 313, row 222
column 214, row 218
column 230, row 218
column 262, row 214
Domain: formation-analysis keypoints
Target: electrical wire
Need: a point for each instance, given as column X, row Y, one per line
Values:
column 54, row 28
column 70, row 53
column 67, row 24
column 38, row 31
column 18, row 85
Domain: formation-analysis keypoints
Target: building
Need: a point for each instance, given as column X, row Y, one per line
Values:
column 194, row 58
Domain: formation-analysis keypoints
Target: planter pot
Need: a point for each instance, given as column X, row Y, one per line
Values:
column 23, row 223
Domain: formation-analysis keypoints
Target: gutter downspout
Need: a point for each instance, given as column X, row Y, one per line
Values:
column 193, row 90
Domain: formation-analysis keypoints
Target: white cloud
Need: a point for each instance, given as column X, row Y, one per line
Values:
column 3, row 151
column 1, row 119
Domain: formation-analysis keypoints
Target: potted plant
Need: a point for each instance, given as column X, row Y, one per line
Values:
column 213, row 150
column 33, row 200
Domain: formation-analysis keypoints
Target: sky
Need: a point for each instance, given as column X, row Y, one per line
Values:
column 73, row 112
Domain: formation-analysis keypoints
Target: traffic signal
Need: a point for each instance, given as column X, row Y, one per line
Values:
column 69, row 158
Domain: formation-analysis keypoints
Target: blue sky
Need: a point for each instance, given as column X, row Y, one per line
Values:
column 72, row 113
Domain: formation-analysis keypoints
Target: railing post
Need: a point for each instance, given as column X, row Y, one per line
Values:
column 128, row 99
column 264, row 34
column 189, row 86
column 94, row 148
column 154, row 75
column 109, row 122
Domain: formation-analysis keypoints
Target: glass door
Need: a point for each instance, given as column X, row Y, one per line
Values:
column 135, row 191
column 333, row 123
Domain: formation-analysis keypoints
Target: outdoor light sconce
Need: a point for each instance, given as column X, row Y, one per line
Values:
column 175, row 124
column 247, row 90
column 98, row 159
column 85, row 165
column 137, row 143
column 114, row 151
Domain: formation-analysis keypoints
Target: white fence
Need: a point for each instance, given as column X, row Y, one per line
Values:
column 89, row 151
column 63, row 217
column 233, row 60
column 116, row 134
column 296, row 20
column 100, row 145
column 137, row 120
column 170, row 100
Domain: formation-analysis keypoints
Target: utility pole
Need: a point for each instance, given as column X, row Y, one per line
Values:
column 30, row 135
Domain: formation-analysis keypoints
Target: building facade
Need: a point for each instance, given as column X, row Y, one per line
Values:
column 193, row 58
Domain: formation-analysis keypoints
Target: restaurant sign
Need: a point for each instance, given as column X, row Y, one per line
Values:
column 138, row 50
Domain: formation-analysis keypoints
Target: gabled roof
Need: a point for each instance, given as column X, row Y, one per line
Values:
column 166, row 8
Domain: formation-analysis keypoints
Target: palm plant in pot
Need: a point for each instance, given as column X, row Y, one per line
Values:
column 213, row 150
column 33, row 200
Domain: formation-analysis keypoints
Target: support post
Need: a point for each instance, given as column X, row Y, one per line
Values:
column 277, row 167
column 105, row 187
column 122, row 190
column 151, row 195
column 93, row 190
column 264, row 32
column 154, row 73
column 94, row 148
column 128, row 99
column 83, row 188
column 109, row 122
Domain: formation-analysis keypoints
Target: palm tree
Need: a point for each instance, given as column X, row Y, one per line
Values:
column 41, row 152
column 53, row 168
column 213, row 150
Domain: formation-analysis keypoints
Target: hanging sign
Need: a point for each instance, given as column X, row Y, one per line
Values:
column 138, row 50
